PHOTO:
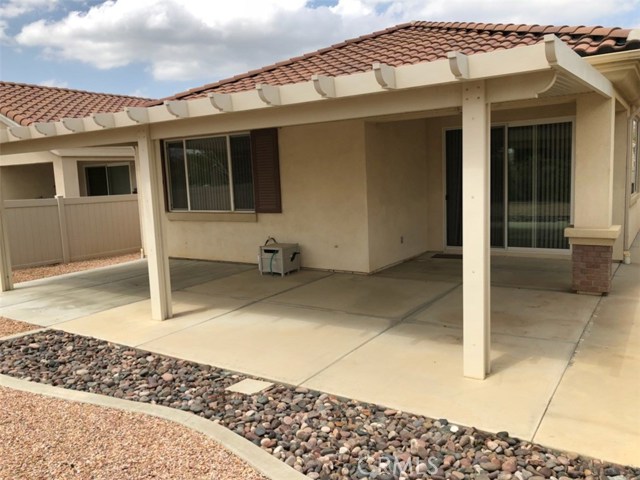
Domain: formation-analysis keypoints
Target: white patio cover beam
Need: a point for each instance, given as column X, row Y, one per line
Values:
column 6, row 282
column 514, row 71
column 563, row 59
column 150, row 192
column 476, row 282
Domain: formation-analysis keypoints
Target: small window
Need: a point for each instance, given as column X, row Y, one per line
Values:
column 227, row 173
column 108, row 180
column 635, row 155
column 210, row 174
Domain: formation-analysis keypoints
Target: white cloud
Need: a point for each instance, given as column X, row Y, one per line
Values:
column 192, row 39
column 15, row 8
column 52, row 82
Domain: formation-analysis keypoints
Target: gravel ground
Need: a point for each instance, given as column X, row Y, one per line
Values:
column 10, row 327
column 42, row 437
column 35, row 273
column 323, row 436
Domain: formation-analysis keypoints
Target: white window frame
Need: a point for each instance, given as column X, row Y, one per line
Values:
column 227, row 138
column 634, row 167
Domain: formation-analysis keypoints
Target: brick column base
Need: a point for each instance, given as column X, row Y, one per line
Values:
column 591, row 271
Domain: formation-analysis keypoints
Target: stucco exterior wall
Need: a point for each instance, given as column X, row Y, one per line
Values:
column 322, row 173
column 396, row 154
column 28, row 181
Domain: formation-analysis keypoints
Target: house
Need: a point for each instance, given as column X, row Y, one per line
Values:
column 66, row 172
column 93, row 185
column 474, row 138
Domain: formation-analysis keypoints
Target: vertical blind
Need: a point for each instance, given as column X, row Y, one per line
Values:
column 537, row 165
column 208, row 174
column 242, row 172
column 202, row 173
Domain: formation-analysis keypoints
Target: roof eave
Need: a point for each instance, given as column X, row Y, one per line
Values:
column 572, row 72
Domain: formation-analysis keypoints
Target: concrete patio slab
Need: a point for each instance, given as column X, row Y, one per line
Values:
column 132, row 324
column 596, row 407
column 252, row 285
column 418, row 368
column 526, row 313
column 340, row 333
column 532, row 273
column 277, row 342
column 426, row 270
column 366, row 295
column 56, row 308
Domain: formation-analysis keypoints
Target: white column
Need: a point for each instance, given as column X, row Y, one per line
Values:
column 6, row 282
column 65, row 172
column 476, row 129
column 151, row 198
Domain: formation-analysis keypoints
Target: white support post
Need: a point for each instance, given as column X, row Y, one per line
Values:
column 64, row 236
column 6, row 282
column 150, row 195
column 475, row 231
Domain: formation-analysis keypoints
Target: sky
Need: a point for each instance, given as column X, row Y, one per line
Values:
column 156, row 48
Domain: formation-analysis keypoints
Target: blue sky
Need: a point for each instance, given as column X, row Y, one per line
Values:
column 155, row 48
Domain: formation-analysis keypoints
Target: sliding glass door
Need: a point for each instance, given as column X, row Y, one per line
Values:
column 530, row 185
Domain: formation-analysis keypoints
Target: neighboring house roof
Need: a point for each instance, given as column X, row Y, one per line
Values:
column 26, row 104
column 417, row 42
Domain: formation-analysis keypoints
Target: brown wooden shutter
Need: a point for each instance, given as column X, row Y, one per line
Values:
column 266, row 170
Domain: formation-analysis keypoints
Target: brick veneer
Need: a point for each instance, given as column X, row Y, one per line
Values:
column 592, row 268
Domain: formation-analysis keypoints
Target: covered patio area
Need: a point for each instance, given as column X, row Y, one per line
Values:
column 560, row 361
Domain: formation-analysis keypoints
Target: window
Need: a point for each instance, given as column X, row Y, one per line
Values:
column 238, row 172
column 635, row 155
column 530, row 185
column 108, row 180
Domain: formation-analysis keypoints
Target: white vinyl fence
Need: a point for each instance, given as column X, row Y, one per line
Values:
column 57, row 230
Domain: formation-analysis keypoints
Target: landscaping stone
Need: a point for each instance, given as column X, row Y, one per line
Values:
column 323, row 436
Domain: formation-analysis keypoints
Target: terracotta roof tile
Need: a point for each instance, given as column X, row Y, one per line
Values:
column 417, row 42
column 26, row 104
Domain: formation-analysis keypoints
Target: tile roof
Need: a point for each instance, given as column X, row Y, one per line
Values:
column 417, row 42
column 26, row 104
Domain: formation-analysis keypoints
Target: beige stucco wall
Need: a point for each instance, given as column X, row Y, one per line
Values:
column 322, row 172
column 28, row 181
column 396, row 154
column 634, row 221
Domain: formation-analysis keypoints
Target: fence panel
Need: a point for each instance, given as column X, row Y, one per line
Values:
column 34, row 232
column 102, row 225
column 93, row 227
